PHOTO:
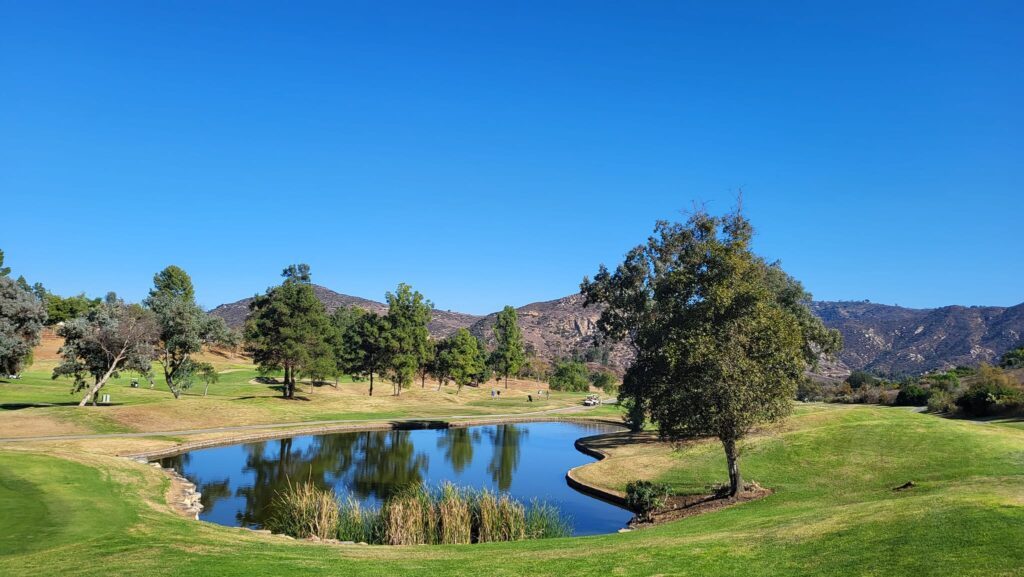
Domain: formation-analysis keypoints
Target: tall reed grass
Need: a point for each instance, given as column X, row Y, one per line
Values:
column 415, row 516
column 304, row 510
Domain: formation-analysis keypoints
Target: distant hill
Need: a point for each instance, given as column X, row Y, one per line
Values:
column 558, row 329
column 892, row 340
column 883, row 339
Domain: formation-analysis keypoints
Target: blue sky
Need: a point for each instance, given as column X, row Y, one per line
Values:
column 495, row 153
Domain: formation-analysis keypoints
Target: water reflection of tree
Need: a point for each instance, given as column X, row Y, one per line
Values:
column 270, row 474
column 507, row 441
column 323, row 463
column 458, row 444
column 389, row 463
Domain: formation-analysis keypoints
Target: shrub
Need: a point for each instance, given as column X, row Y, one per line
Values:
column 912, row 395
column 304, row 510
column 605, row 381
column 646, row 497
column 868, row 394
column 948, row 381
column 858, row 379
column 570, row 376
column 808, row 390
column 941, row 402
column 888, row 397
column 1012, row 359
column 993, row 393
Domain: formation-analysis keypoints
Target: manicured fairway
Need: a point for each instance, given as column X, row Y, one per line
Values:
column 834, row 513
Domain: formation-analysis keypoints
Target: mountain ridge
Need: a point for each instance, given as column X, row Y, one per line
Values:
column 883, row 339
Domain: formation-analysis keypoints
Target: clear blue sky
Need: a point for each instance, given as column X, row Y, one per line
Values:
column 492, row 153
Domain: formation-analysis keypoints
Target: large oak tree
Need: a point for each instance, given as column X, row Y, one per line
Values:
column 721, row 336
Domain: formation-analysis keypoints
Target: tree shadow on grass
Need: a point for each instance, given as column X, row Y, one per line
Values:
column 19, row 406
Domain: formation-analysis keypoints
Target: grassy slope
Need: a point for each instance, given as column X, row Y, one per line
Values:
column 234, row 400
column 833, row 513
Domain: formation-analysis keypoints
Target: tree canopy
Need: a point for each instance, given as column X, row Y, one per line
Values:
column 22, row 316
column 508, row 355
column 287, row 328
column 721, row 336
column 184, row 327
column 570, row 376
column 111, row 338
column 460, row 359
column 406, row 335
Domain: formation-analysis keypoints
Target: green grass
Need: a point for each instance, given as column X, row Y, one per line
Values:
column 36, row 386
column 37, row 405
column 833, row 513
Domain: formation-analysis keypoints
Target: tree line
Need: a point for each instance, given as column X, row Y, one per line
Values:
column 288, row 329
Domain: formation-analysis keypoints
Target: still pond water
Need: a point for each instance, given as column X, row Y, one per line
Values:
column 527, row 460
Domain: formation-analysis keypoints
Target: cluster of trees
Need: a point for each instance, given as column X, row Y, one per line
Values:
column 1013, row 359
column 103, row 338
column 721, row 337
column 22, row 316
column 973, row 391
column 574, row 376
column 288, row 329
column 168, row 328
column 58, row 309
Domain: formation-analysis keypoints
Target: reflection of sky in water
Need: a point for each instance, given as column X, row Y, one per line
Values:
column 529, row 460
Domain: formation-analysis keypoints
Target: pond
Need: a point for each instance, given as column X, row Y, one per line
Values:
column 527, row 460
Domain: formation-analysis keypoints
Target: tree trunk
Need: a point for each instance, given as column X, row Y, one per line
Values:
column 102, row 381
column 732, row 457
column 506, row 381
column 169, row 378
column 206, row 389
column 371, row 383
column 287, row 382
column 170, row 385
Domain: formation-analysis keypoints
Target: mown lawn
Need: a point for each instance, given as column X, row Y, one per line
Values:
column 833, row 513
